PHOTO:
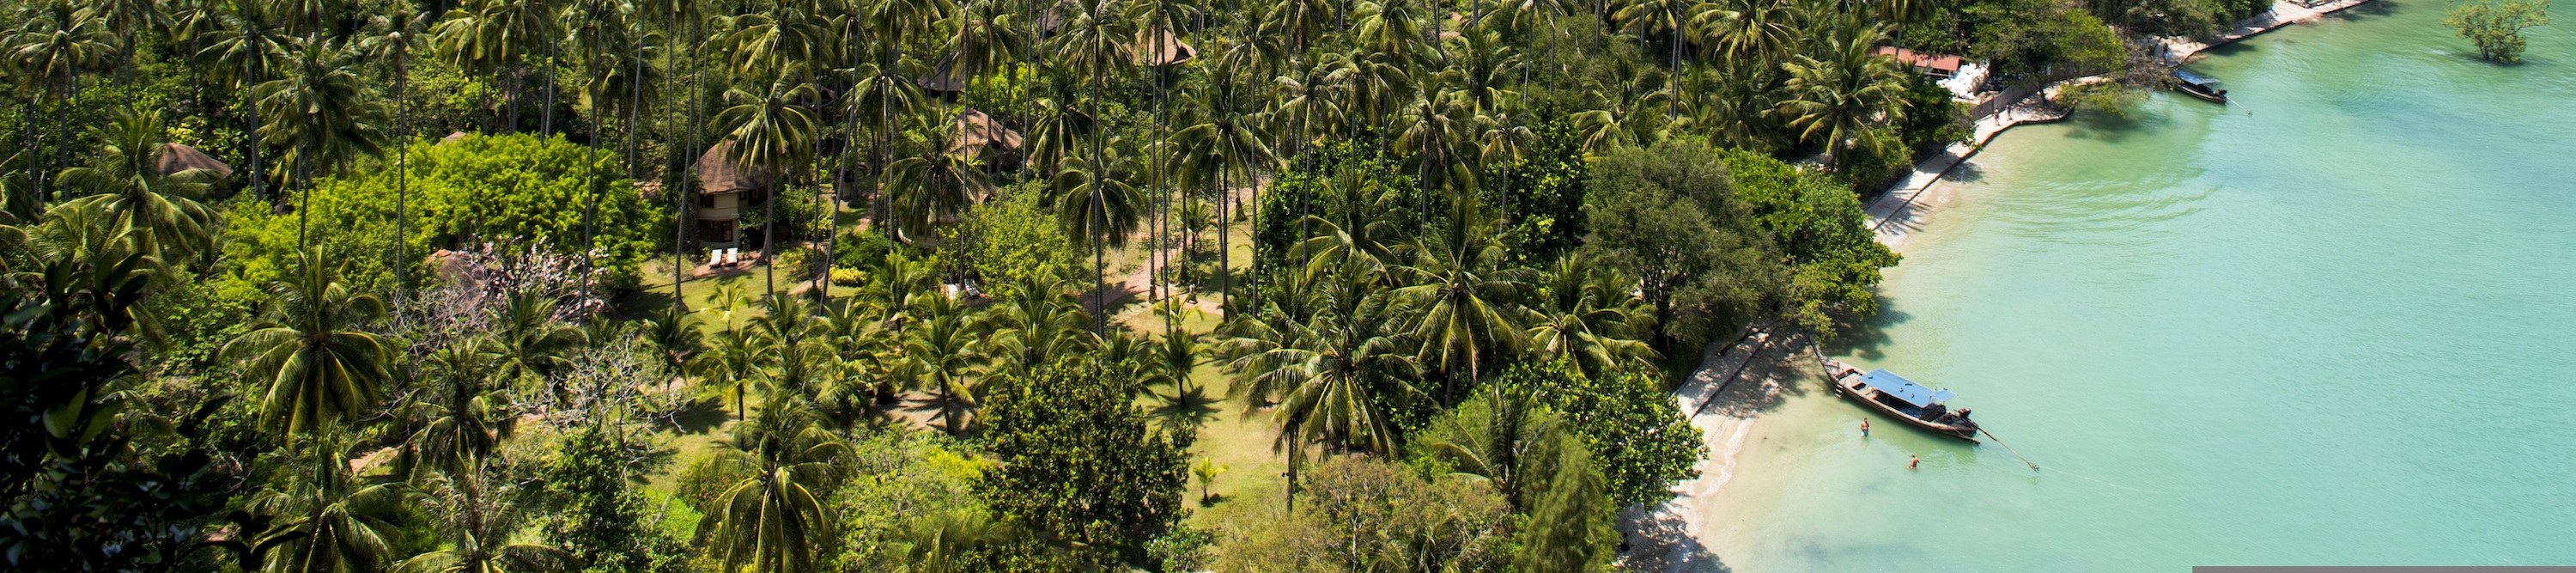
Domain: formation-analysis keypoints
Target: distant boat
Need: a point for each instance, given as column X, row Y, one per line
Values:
column 1903, row 399
column 2195, row 85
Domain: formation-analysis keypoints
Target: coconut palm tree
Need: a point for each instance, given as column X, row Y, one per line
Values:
column 311, row 351
column 1672, row 17
column 54, row 49
column 1222, row 152
column 942, row 542
column 1333, row 376
column 1036, row 322
column 940, row 354
column 324, row 111
column 1835, row 99
column 1587, row 320
column 734, row 356
column 462, row 427
column 935, row 186
column 324, row 519
column 391, row 39
column 162, row 210
column 1465, row 300
column 1098, row 205
column 774, row 520
column 534, row 346
column 1749, row 29
column 240, row 43
column 481, row 530
column 772, row 130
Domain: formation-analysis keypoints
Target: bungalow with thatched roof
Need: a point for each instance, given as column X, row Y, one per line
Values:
column 944, row 79
column 724, row 188
column 1173, row 51
column 177, row 157
column 980, row 136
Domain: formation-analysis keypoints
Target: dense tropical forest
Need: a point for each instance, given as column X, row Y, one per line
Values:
column 994, row 285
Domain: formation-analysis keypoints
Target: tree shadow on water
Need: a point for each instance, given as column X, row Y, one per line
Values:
column 1868, row 340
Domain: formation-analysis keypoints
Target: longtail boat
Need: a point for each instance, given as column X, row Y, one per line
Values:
column 2195, row 85
column 1893, row 395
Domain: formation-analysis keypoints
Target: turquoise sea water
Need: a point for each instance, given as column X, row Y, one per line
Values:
column 2332, row 323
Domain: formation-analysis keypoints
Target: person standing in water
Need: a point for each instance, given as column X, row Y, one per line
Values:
column 1913, row 462
column 1864, row 427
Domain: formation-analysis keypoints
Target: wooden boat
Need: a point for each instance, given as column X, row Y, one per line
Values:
column 2195, row 85
column 1903, row 399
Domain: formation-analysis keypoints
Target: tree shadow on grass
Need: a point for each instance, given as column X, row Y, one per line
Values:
column 696, row 417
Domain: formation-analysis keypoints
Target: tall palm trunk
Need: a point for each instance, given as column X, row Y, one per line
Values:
column 402, row 171
column 1099, row 208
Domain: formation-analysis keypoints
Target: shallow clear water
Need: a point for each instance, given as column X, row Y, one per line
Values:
column 2331, row 323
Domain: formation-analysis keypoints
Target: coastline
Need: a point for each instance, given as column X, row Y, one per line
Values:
column 1671, row 536
column 1905, row 206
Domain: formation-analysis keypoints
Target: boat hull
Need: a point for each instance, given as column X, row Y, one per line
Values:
column 1844, row 381
column 2219, row 98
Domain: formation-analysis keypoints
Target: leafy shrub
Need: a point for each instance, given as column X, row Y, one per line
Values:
column 2495, row 26
column 502, row 189
column 1008, row 240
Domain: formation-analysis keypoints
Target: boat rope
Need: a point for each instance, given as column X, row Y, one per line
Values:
column 2034, row 466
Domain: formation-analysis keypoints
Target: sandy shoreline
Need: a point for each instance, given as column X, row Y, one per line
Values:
column 1669, row 537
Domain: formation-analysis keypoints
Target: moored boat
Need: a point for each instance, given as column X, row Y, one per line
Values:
column 1893, row 395
column 2193, row 84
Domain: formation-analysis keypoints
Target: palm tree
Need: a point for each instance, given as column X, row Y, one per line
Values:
column 1333, row 377
column 479, row 525
column 1098, row 205
column 324, row 110
column 934, row 187
column 1156, row 20
column 244, row 44
column 1221, row 152
column 1587, row 319
column 1748, row 29
column 533, row 345
column 940, row 542
column 1097, row 34
column 323, row 519
column 1035, row 323
column 940, row 353
column 163, row 211
column 54, row 50
column 394, row 37
column 310, row 351
column 463, row 427
column 733, row 357
column 1835, row 99
column 1669, row 16
column 774, row 520
column 1466, row 302
column 773, row 131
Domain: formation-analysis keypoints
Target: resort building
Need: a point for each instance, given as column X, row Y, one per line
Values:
column 724, row 189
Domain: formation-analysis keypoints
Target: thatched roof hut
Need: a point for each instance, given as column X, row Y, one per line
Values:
column 944, row 78
column 1174, row 51
column 718, row 173
column 977, row 131
column 177, row 157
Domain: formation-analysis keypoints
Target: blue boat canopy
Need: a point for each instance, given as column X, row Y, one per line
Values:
column 2194, row 78
column 1893, row 385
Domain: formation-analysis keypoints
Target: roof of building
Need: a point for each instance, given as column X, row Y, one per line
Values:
column 975, row 130
column 1893, row 385
column 1173, row 51
column 1943, row 62
column 718, row 173
column 944, row 77
column 179, row 157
